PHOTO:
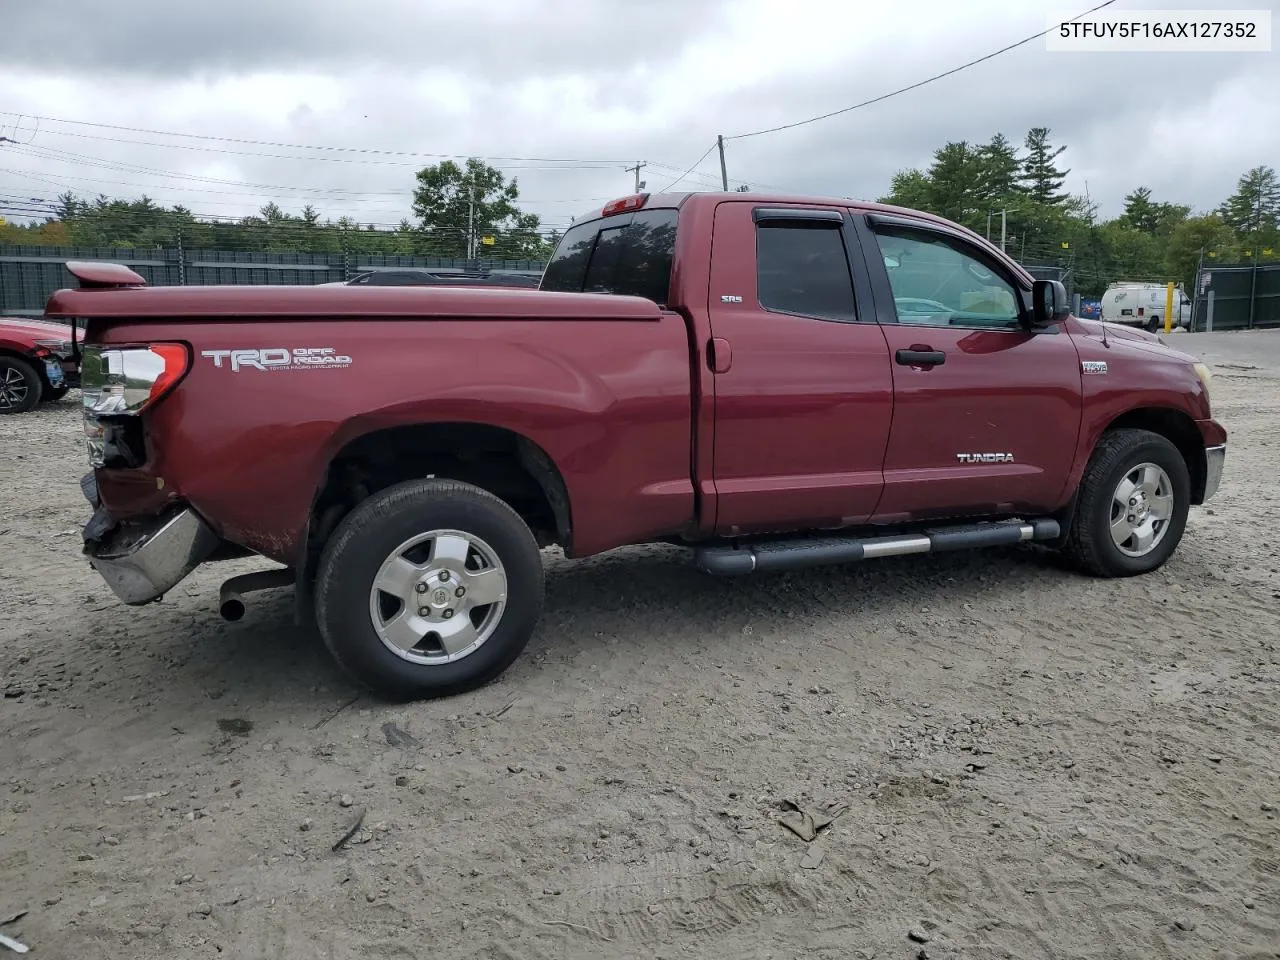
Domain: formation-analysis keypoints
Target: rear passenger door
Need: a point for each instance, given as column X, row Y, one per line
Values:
column 803, row 386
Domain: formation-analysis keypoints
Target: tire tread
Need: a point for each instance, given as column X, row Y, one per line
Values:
column 384, row 505
column 1083, row 547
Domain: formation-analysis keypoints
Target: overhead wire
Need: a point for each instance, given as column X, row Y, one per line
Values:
column 916, row 85
column 300, row 146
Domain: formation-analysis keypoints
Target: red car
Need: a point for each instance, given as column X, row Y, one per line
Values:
column 37, row 363
column 775, row 382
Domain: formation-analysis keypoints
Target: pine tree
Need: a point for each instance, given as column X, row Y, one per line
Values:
column 998, row 168
column 1253, row 211
column 1040, row 174
column 953, row 180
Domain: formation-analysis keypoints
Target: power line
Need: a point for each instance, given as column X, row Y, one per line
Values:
column 695, row 166
column 323, row 194
column 917, row 85
column 293, row 146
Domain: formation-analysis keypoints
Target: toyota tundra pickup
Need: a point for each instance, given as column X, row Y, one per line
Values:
column 774, row 382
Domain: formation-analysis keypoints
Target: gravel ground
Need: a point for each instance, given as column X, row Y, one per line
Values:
column 1022, row 762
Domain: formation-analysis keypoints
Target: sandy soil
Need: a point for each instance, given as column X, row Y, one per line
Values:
column 1029, row 763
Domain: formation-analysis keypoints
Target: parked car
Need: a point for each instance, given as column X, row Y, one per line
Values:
column 776, row 382
column 1144, row 305
column 37, row 363
column 422, row 277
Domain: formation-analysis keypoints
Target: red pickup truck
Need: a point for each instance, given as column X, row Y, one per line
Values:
column 773, row 381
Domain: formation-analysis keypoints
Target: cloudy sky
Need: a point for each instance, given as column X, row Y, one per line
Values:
column 565, row 93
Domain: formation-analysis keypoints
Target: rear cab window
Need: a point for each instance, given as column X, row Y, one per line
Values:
column 625, row 255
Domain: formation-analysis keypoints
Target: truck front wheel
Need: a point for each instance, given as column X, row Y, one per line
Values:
column 1131, row 509
column 428, row 588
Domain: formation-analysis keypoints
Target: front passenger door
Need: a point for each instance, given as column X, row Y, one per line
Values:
column 986, row 409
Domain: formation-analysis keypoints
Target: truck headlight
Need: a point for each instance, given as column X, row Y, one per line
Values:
column 1206, row 376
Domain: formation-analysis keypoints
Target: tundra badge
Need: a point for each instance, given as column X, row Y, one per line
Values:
column 1093, row 366
column 985, row 457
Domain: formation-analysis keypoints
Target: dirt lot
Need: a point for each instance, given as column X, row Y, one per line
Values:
column 1034, row 764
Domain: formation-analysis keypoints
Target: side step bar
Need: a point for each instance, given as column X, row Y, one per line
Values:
column 795, row 554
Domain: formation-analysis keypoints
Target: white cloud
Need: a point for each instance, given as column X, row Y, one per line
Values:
column 604, row 83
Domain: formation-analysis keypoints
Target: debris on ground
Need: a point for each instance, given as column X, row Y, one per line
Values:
column 805, row 822
column 351, row 832
column 397, row 737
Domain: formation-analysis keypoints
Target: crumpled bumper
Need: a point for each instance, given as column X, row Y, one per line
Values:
column 143, row 561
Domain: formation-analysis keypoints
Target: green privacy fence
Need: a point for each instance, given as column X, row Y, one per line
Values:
column 28, row 275
column 1238, row 297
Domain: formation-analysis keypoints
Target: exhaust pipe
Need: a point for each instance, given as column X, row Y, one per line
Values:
column 230, row 597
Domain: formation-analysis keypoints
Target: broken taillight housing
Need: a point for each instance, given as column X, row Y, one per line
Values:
column 123, row 382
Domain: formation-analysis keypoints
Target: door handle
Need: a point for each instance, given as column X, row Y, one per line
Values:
column 920, row 357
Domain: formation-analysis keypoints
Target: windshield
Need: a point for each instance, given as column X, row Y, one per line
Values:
column 627, row 256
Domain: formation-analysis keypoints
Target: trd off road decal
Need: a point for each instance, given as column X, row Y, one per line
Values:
column 278, row 358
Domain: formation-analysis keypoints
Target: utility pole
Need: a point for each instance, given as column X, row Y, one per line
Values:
column 724, row 176
column 1257, row 242
column 1004, row 225
column 471, row 225
column 637, row 168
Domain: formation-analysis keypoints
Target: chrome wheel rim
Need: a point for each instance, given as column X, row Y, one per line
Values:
column 1141, row 510
column 438, row 597
column 13, row 388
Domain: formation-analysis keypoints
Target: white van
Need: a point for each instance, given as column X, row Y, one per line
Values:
column 1142, row 305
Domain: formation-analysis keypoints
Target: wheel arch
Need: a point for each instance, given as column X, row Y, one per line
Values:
column 499, row 460
column 1178, row 428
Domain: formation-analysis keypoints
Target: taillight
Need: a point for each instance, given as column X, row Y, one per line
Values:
column 624, row 204
column 125, row 381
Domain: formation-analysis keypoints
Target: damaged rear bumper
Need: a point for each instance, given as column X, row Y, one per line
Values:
column 143, row 561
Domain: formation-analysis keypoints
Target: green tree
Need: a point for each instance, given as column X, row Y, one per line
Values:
column 998, row 169
column 1209, row 235
column 453, row 203
column 1144, row 214
column 953, row 183
column 1040, row 174
column 909, row 188
column 1253, row 211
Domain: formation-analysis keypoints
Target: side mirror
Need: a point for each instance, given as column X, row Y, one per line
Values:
column 1049, row 302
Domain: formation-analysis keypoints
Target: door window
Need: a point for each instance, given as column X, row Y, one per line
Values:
column 937, row 282
column 802, row 269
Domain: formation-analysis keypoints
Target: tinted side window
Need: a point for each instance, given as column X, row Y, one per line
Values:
column 938, row 282
column 626, row 256
column 568, row 265
column 802, row 268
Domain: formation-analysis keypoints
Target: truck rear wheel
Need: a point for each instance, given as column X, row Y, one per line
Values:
column 429, row 588
column 1131, row 509
column 20, row 386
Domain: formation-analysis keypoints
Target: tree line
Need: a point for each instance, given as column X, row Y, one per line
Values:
column 973, row 184
column 994, row 187
column 458, row 210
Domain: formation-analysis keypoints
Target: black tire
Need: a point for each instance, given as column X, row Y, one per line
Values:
column 20, row 386
column 54, row 394
column 1089, row 543
column 371, row 533
column 1153, row 324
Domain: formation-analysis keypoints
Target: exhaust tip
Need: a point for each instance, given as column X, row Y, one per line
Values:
column 232, row 609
